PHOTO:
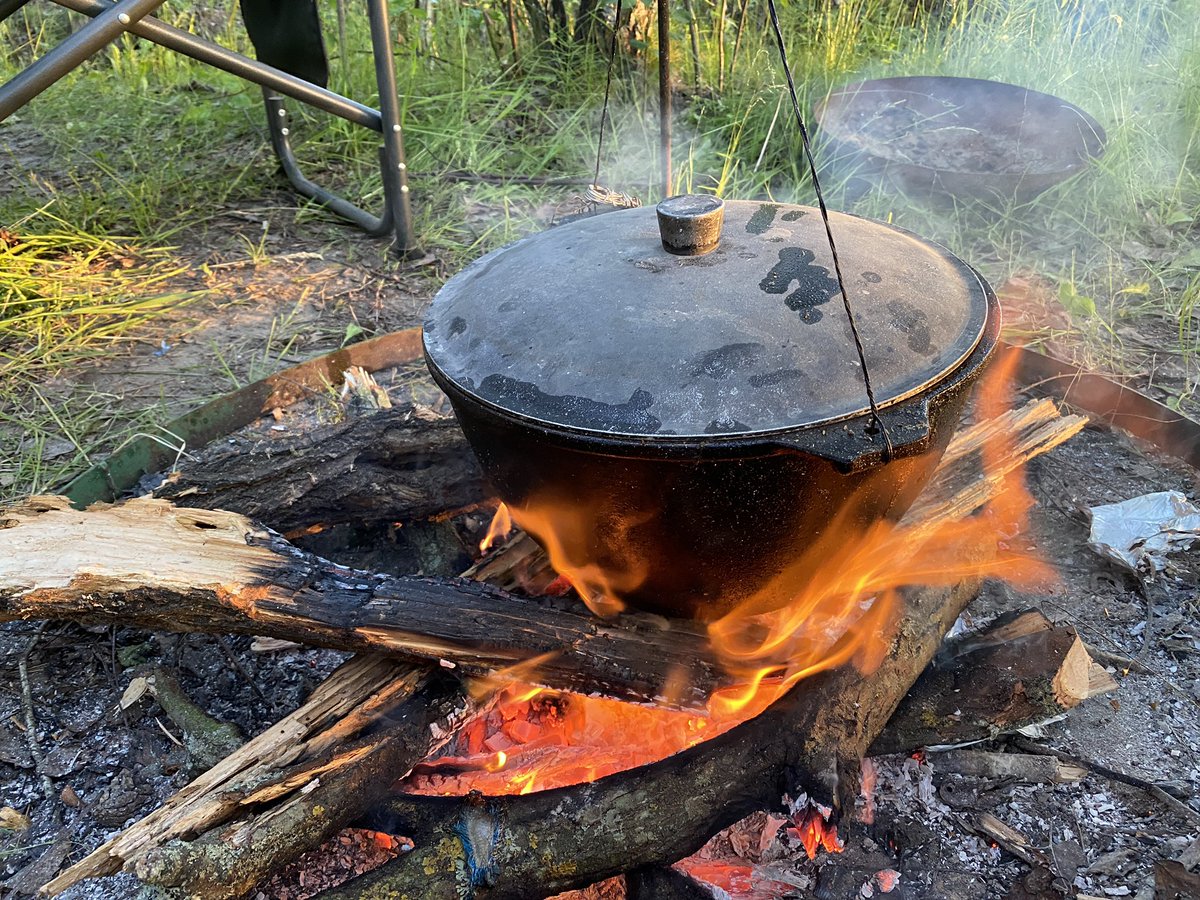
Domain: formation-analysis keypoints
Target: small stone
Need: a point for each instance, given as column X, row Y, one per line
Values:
column 1118, row 862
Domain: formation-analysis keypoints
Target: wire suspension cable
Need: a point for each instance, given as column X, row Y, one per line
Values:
column 837, row 266
column 612, row 57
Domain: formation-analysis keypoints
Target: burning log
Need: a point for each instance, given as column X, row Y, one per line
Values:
column 289, row 788
column 398, row 464
column 810, row 741
column 148, row 564
column 665, row 812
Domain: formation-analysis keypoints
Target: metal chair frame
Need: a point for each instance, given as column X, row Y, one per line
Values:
column 112, row 19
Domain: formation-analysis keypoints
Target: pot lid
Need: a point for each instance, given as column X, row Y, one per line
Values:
column 593, row 325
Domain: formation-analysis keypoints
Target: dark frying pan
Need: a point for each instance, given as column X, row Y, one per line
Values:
column 962, row 137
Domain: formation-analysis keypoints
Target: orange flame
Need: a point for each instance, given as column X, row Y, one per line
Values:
column 563, row 529
column 813, row 830
column 839, row 603
column 500, row 526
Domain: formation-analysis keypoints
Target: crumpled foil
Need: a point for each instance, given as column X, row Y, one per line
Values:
column 1138, row 533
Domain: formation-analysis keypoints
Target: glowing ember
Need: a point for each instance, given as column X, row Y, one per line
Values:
column 886, row 880
column 813, row 830
column 867, row 790
column 838, row 603
column 500, row 526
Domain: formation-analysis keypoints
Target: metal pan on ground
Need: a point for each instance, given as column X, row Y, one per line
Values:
column 966, row 138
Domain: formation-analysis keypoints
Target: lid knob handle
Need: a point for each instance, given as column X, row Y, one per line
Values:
column 690, row 224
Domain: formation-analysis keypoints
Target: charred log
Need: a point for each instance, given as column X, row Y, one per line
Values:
column 1021, row 671
column 150, row 565
column 397, row 464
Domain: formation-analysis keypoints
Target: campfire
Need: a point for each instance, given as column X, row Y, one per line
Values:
column 529, row 732
column 554, row 719
column 528, row 738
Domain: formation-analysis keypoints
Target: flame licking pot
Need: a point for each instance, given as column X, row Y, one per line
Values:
column 678, row 417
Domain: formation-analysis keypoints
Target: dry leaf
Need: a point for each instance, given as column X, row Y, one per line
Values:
column 270, row 645
column 137, row 689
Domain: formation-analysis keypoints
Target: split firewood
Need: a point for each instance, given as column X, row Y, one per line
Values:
column 296, row 783
column 1021, row 671
column 319, row 798
column 148, row 564
column 398, row 464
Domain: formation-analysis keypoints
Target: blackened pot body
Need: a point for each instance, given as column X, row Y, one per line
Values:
column 696, row 528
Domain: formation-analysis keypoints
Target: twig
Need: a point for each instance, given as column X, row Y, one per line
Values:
column 1028, row 746
column 237, row 666
column 35, row 749
column 1126, row 664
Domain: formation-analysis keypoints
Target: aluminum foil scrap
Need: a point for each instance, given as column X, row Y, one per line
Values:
column 1138, row 533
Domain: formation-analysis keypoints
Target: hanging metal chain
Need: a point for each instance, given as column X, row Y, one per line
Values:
column 837, row 266
column 596, row 193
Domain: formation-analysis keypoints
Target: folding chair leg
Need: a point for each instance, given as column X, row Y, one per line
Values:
column 376, row 226
column 397, row 214
column 395, row 169
column 85, row 42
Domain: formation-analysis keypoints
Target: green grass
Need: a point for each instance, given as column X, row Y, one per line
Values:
column 135, row 130
column 66, row 295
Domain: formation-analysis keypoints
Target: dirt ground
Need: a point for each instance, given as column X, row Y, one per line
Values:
column 103, row 766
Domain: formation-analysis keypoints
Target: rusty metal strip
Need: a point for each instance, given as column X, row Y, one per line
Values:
column 1107, row 401
column 1104, row 400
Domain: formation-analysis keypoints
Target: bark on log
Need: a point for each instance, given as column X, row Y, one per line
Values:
column 398, row 464
column 321, row 798
column 277, row 764
column 150, row 565
column 1022, row 670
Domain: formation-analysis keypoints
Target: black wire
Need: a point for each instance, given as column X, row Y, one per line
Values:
column 837, row 266
column 612, row 56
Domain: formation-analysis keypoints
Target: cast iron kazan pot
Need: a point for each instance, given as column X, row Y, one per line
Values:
column 673, row 405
